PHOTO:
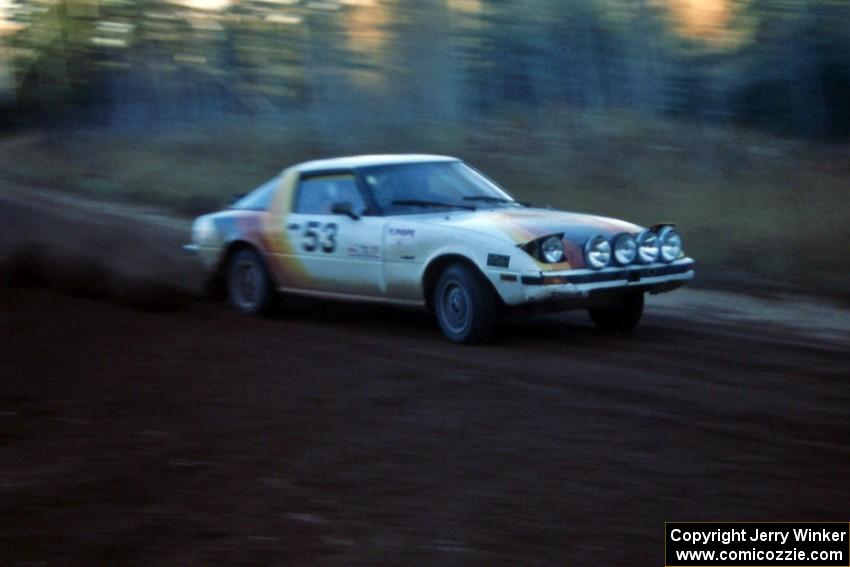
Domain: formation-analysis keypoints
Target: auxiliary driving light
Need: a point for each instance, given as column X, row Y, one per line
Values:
column 647, row 243
column 597, row 252
column 670, row 244
column 625, row 249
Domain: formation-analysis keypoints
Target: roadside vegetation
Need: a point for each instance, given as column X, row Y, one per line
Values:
column 729, row 118
column 750, row 205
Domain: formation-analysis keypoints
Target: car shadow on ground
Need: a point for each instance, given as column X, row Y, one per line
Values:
column 34, row 265
column 515, row 328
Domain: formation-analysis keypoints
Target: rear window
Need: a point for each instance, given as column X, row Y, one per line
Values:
column 260, row 198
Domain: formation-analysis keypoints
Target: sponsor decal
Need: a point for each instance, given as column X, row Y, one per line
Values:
column 363, row 251
column 402, row 235
column 498, row 260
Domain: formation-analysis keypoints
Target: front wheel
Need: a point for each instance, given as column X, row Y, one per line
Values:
column 621, row 317
column 249, row 287
column 465, row 305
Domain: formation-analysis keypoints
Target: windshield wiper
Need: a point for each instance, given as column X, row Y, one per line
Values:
column 494, row 199
column 422, row 203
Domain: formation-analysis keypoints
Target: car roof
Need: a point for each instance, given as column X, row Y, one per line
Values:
column 354, row 162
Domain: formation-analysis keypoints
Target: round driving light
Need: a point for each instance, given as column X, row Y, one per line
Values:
column 670, row 244
column 597, row 252
column 625, row 249
column 552, row 249
column 647, row 247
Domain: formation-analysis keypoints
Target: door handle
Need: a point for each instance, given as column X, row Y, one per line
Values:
column 293, row 226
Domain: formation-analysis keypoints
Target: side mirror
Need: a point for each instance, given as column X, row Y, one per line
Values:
column 344, row 208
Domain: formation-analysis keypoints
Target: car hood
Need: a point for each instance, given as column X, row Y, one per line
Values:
column 524, row 225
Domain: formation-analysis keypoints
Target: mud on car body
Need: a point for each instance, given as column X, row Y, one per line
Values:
column 434, row 232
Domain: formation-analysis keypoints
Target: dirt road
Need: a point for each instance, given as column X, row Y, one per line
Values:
column 142, row 425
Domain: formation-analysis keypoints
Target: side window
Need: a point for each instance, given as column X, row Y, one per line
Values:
column 316, row 195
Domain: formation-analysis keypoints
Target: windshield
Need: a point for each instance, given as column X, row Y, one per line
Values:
column 419, row 187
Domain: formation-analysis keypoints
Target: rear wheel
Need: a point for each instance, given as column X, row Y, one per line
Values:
column 621, row 317
column 465, row 305
column 249, row 287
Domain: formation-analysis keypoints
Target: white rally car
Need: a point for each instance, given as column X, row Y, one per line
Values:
column 431, row 231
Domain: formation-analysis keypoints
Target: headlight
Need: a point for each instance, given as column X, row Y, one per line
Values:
column 670, row 244
column 647, row 246
column 597, row 252
column 625, row 249
column 552, row 249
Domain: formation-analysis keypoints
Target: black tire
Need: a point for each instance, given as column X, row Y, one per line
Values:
column 465, row 305
column 622, row 317
column 250, row 290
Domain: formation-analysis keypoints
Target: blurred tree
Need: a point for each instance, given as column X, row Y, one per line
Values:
column 777, row 64
column 55, row 67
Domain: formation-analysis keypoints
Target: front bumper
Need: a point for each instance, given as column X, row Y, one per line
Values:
column 584, row 284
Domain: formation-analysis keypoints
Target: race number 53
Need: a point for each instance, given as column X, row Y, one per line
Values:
column 319, row 236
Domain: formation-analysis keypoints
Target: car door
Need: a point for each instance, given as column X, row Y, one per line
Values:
column 340, row 253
